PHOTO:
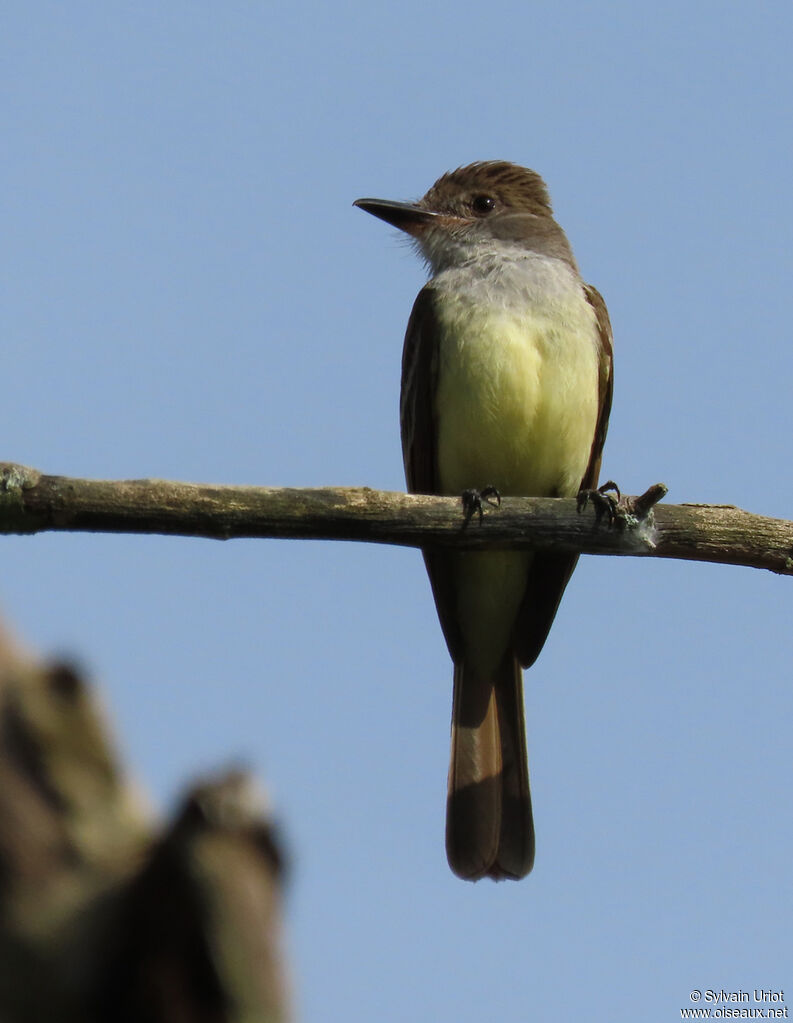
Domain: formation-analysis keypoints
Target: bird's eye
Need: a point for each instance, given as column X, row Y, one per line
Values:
column 483, row 204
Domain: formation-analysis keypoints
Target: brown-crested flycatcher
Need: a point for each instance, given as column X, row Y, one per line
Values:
column 506, row 383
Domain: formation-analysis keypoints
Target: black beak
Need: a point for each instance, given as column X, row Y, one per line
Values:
column 407, row 216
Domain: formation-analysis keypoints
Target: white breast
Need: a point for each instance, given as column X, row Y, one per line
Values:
column 516, row 407
column 517, row 398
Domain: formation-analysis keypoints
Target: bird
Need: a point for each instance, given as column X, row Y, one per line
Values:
column 507, row 378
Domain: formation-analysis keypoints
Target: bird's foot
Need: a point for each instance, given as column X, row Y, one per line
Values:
column 473, row 502
column 602, row 500
column 622, row 511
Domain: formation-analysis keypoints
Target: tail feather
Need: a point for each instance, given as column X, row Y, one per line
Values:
column 489, row 828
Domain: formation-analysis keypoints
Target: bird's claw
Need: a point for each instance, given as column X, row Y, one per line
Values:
column 623, row 511
column 473, row 501
column 603, row 501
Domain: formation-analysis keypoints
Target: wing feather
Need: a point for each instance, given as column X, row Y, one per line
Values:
column 419, row 445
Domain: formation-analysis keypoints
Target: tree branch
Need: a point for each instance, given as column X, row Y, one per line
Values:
column 31, row 502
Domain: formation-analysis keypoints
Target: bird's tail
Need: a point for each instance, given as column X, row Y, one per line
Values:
column 489, row 828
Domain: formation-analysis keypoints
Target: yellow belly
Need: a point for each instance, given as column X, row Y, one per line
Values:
column 517, row 400
column 516, row 407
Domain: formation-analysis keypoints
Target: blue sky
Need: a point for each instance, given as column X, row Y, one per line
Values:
column 188, row 294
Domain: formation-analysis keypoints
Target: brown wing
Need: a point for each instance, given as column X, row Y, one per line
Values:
column 550, row 573
column 416, row 406
column 417, row 420
column 605, row 384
